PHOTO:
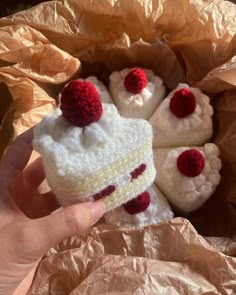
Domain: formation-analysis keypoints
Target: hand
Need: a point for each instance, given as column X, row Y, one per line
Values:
column 27, row 227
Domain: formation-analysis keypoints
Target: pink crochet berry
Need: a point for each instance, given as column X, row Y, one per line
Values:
column 191, row 163
column 182, row 103
column 138, row 204
column 135, row 81
column 80, row 103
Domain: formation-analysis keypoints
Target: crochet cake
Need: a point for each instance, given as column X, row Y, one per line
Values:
column 184, row 117
column 136, row 92
column 148, row 208
column 92, row 151
column 187, row 176
column 89, row 151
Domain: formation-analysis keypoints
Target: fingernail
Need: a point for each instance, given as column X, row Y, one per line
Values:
column 98, row 208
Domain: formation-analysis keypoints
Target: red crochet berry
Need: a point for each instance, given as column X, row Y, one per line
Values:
column 191, row 163
column 182, row 103
column 138, row 204
column 135, row 81
column 80, row 103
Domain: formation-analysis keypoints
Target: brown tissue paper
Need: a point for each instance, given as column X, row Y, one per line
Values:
column 192, row 41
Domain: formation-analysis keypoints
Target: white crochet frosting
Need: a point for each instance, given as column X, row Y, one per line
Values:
column 187, row 193
column 103, row 93
column 195, row 129
column 80, row 162
column 141, row 105
column 159, row 210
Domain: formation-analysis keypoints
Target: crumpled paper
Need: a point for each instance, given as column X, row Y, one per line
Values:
column 137, row 262
column 188, row 40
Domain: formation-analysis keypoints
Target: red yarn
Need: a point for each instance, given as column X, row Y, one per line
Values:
column 191, row 163
column 182, row 103
column 135, row 81
column 138, row 171
column 104, row 193
column 138, row 204
column 80, row 103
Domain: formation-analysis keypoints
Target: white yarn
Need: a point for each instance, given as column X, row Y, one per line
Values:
column 140, row 105
column 82, row 151
column 195, row 129
column 72, row 154
column 119, row 182
column 159, row 210
column 187, row 193
column 101, row 89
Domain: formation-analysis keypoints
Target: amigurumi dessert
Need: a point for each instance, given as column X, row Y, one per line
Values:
column 184, row 117
column 136, row 92
column 188, row 176
column 89, row 151
column 150, row 207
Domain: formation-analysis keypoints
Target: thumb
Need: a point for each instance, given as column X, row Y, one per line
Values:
column 43, row 233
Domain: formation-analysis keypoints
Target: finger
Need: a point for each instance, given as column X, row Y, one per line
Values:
column 51, row 203
column 44, row 233
column 34, row 173
column 18, row 154
column 41, row 205
column 14, row 160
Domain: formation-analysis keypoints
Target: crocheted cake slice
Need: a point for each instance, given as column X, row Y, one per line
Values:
column 98, row 155
column 136, row 92
column 151, row 207
column 183, row 118
column 187, row 176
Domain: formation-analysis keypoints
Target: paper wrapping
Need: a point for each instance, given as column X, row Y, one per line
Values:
column 192, row 41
